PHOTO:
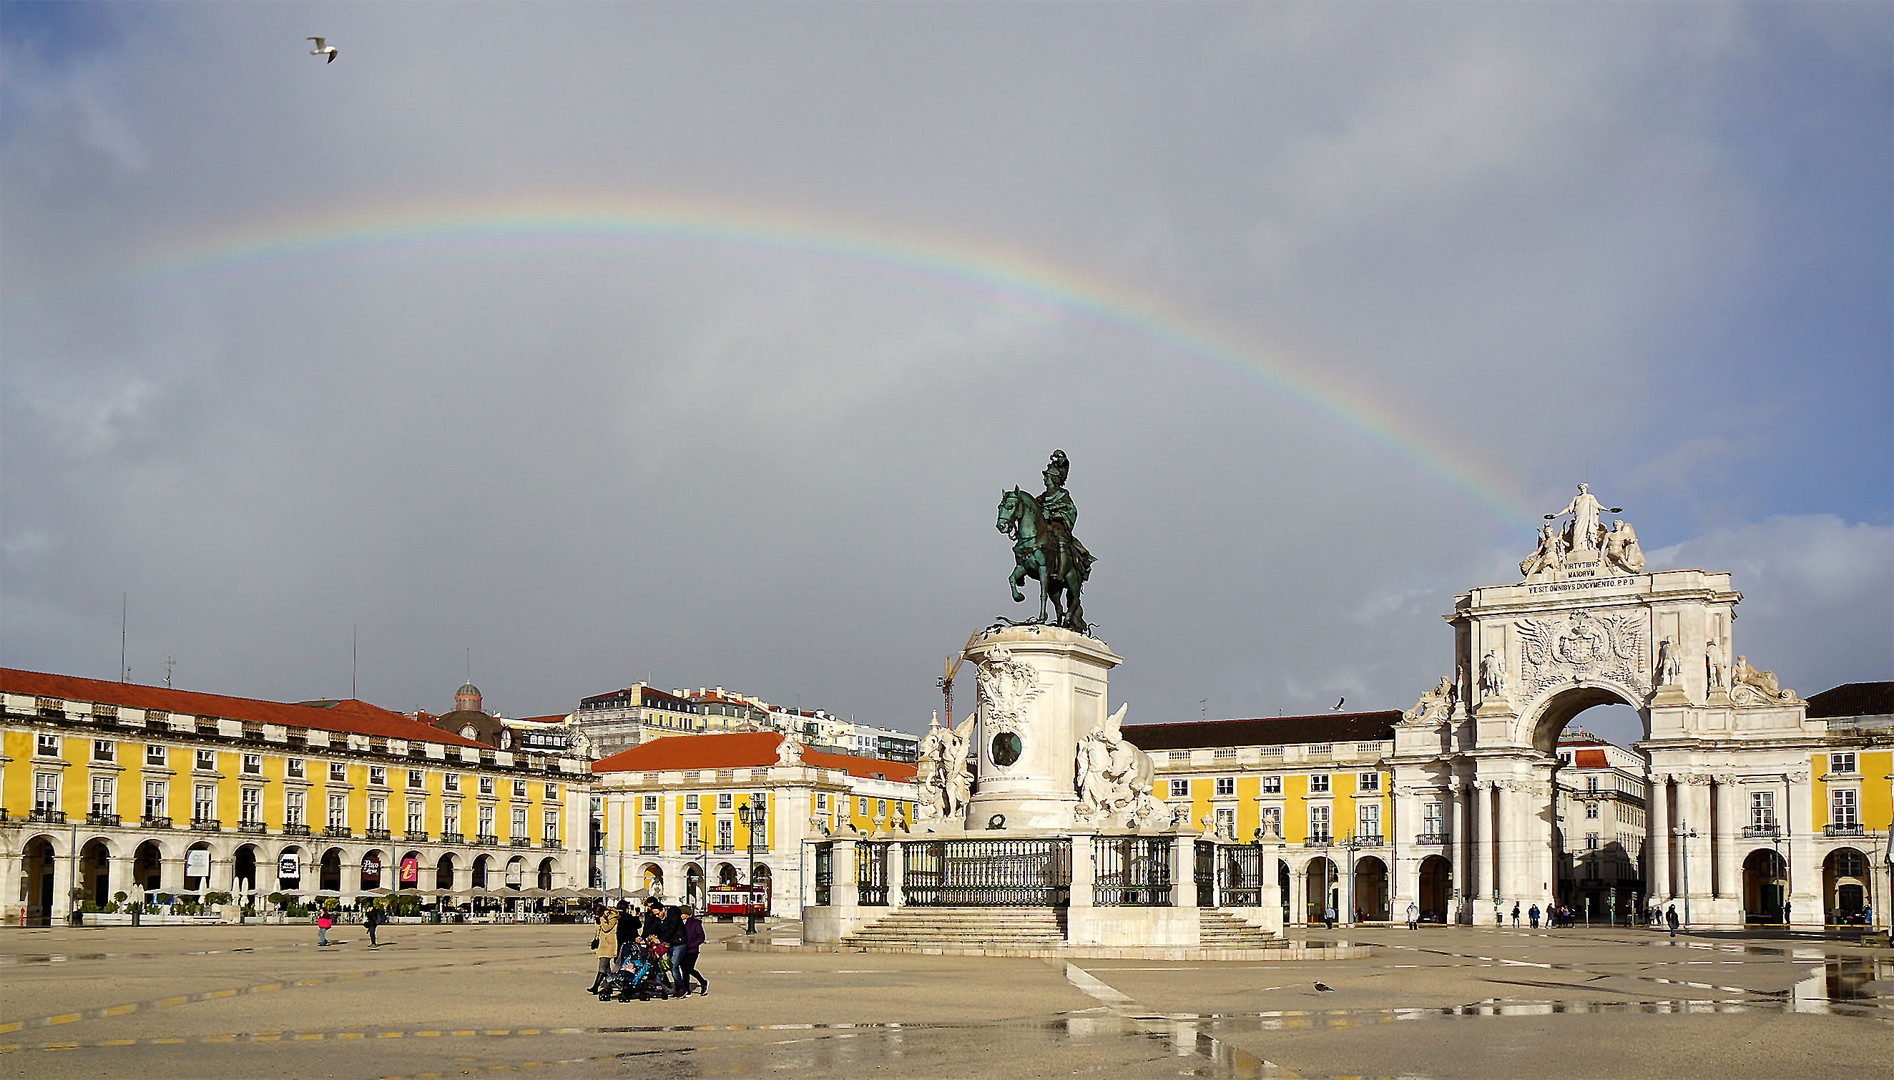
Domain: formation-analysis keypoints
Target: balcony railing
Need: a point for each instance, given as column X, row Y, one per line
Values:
column 254, row 828
column 376, row 834
column 649, row 849
column 1368, row 839
column 726, row 849
column 487, row 839
column 296, row 830
column 340, row 832
column 100, row 817
column 155, row 821
column 413, row 837
column 690, row 848
column 206, row 824
column 1849, row 828
column 551, row 843
column 520, row 841
column 1763, row 832
column 450, row 838
column 50, row 817
column 1433, row 838
column 1318, row 841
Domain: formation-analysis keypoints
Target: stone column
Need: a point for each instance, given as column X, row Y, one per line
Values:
column 1801, row 854
column 1272, row 891
column 1726, row 851
column 1657, row 840
column 1489, row 819
column 898, row 875
column 1399, row 881
column 1298, row 896
column 1084, row 871
column 1545, row 795
column 1183, row 871
column 1703, row 870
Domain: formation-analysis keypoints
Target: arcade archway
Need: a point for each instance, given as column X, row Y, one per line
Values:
column 1765, row 886
column 37, row 874
column 95, row 871
column 1436, row 889
column 1844, row 886
column 1371, row 890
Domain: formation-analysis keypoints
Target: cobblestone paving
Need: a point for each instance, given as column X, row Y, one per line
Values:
column 263, row 1001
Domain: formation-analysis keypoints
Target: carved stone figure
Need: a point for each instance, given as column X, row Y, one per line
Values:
column 789, row 751
column 1583, row 533
column 940, row 771
column 1670, row 671
column 1750, row 685
column 1044, row 547
column 1550, row 555
column 1436, row 704
column 1621, row 549
column 1716, row 665
column 1113, row 777
column 581, row 746
column 1492, row 675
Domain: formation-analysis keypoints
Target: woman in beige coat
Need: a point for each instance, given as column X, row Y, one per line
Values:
column 605, row 946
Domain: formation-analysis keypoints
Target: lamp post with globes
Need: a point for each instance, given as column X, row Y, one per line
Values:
column 752, row 817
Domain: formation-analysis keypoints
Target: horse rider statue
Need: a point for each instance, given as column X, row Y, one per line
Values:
column 1044, row 547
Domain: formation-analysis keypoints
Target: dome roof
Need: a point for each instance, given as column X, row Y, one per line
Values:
column 467, row 690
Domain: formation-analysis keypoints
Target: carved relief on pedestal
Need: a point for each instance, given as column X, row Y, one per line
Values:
column 1586, row 645
column 1752, row 686
column 1007, row 686
column 1435, row 705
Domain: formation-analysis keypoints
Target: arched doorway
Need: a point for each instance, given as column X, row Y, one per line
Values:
column 37, row 868
column 546, row 869
column 763, row 882
column 243, row 869
column 197, row 868
column 516, row 873
column 694, row 885
column 330, row 877
column 1371, row 890
column 1845, row 886
column 444, row 872
column 480, row 866
column 653, row 875
column 1282, row 888
column 95, row 871
column 728, row 875
column 374, row 869
column 148, row 867
column 1765, row 884
column 1324, row 889
column 408, row 871
column 289, row 869
column 1436, row 888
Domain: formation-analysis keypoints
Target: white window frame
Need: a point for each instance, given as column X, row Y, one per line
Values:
column 45, row 744
column 253, row 764
column 1368, row 781
column 338, row 772
column 295, row 769
column 157, row 798
column 1321, row 784
column 156, row 756
column 1180, row 789
column 1272, row 785
column 104, row 798
column 292, row 808
column 104, row 750
column 1321, row 822
column 249, row 805
column 204, row 761
column 338, row 812
column 45, row 792
column 1225, row 787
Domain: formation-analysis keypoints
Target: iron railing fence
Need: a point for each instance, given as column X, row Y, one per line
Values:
column 871, row 873
column 824, row 874
column 1132, row 871
column 987, row 873
column 1240, row 871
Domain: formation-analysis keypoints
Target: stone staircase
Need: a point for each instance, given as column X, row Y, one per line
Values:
column 973, row 928
column 977, row 929
column 1222, row 930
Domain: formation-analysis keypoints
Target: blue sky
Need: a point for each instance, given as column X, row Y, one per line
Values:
column 1644, row 244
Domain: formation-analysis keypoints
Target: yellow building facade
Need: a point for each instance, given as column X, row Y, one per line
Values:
column 113, row 787
column 1312, row 789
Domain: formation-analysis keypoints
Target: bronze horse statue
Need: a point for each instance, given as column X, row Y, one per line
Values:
column 1042, row 550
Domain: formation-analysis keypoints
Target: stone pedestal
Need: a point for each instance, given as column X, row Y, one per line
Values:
column 1041, row 689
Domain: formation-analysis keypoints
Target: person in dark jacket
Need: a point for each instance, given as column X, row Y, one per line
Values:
column 653, row 924
column 627, row 931
column 693, row 942
column 671, row 932
column 372, row 920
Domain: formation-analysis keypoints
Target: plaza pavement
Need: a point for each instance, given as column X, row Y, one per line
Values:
column 494, row 1000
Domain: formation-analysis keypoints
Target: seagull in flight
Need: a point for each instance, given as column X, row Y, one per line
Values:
column 1338, row 704
column 322, row 48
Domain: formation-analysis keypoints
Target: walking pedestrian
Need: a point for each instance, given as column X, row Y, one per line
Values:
column 1515, row 914
column 324, row 920
column 1534, row 916
column 627, row 932
column 671, row 932
column 371, row 921
column 1670, row 918
column 604, row 944
column 1328, row 916
column 693, row 942
column 1413, row 917
column 1785, row 914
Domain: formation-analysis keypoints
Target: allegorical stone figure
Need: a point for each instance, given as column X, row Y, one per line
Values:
column 1670, row 671
column 1583, row 533
column 1621, row 548
column 1492, row 675
column 1716, row 665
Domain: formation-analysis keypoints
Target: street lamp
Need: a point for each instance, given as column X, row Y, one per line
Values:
column 751, row 815
column 1684, row 832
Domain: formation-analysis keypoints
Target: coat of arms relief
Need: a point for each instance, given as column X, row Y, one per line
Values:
column 1588, row 644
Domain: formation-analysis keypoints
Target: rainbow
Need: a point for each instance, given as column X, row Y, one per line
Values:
column 992, row 271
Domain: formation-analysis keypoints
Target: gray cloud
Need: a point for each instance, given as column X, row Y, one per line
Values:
column 1542, row 242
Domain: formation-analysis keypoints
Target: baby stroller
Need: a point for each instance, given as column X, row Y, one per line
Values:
column 645, row 974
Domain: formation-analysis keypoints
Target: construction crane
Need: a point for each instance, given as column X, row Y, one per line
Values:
column 946, row 682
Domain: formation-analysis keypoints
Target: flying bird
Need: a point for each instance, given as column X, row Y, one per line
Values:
column 321, row 49
column 1338, row 704
column 1324, row 988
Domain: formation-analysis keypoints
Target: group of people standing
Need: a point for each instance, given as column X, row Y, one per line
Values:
column 676, row 928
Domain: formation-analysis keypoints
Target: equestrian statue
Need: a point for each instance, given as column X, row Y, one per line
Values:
column 1044, row 547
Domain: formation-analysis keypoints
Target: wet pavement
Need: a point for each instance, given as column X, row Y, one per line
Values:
column 478, row 1000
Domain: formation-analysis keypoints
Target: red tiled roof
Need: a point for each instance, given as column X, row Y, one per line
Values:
column 348, row 716
column 556, row 718
column 738, row 750
column 1590, row 759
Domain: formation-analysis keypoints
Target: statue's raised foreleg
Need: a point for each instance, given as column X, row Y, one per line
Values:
column 1018, row 579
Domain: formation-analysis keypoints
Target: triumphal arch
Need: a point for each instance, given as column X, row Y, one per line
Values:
column 1587, row 624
